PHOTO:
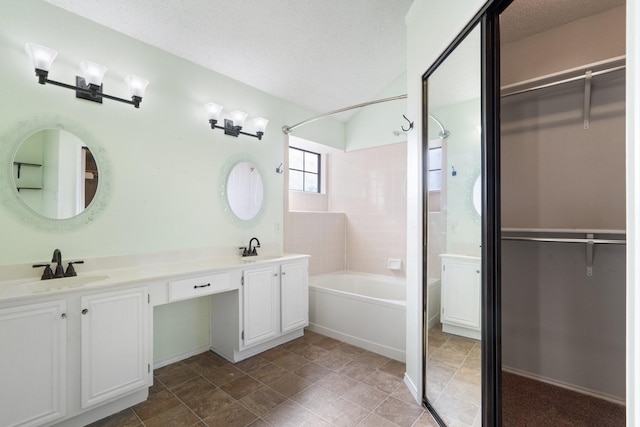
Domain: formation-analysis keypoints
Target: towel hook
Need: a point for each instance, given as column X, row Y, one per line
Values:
column 410, row 124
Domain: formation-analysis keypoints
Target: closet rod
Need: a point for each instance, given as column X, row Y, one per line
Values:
column 568, row 240
column 567, row 80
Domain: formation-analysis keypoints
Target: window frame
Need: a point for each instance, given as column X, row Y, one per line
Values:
column 304, row 170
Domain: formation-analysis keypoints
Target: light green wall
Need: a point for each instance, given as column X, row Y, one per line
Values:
column 373, row 126
column 165, row 161
column 173, row 328
column 164, row 157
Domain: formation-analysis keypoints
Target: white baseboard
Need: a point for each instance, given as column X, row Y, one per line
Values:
column 159, row 364
column 561, row 384
column 393, row 353
column 412, row 389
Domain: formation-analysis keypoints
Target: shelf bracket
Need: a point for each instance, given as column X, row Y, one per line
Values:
column 586, row 114
column 590, row 244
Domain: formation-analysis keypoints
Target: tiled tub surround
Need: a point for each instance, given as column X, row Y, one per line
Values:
column 321, row 235
column 312, row 381
column 84, row 343
column 367, row 189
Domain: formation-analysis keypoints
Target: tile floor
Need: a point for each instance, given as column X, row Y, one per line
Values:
column 311, row 381
column 454, row 378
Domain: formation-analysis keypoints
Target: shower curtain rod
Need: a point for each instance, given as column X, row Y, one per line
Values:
column 559, row 82
column 287, row 129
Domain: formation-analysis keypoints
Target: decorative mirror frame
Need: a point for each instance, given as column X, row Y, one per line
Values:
column 222, row 191
column 10, row 142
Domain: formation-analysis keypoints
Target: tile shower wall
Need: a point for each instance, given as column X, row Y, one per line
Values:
column 319, row 234
column 369, row 187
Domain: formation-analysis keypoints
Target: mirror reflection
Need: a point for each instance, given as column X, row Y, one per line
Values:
column 453, row 370
column 245, row 190
column 477, row 195
column 55, row 173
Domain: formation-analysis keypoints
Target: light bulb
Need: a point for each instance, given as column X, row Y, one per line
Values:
column 93, row 73
column 260, row 123
column 41, row 57
column 137, row 85
column 238, row 118
column 213, row 111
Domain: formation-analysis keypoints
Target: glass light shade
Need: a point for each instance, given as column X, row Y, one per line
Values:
column 213, row 111
column 260, row 123
column 238, row 117
column 137, row 85
column 93, row 73
column 41, row 57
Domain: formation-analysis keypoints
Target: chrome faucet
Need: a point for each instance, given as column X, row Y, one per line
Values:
column 249, row 251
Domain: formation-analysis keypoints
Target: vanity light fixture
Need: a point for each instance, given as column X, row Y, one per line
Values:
column 89, row 83
column 234, row 125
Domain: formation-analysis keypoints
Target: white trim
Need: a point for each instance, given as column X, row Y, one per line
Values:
column 162, row 363
column 567, row 386
column 633, row 212
column 412, row 389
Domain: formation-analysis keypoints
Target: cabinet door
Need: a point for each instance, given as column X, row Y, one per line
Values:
column 114, row 344
column 33, row 364
column 294, row 296
column 261, row 306
column 461, row 293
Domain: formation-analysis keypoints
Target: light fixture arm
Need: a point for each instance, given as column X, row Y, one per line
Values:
column 230, row 129
column 89, row 92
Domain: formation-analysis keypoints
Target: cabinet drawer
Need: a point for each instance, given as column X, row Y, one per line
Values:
column 198, row 286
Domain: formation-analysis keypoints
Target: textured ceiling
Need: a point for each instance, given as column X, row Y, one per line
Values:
column 524, row 18
column 321, row 54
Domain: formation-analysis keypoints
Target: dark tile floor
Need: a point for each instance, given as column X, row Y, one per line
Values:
column 311, row 381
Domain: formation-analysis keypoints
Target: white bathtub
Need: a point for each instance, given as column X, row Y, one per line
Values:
column 365, row 310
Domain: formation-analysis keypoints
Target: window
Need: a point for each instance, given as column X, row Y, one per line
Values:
column 304, row 170
column 435, row 169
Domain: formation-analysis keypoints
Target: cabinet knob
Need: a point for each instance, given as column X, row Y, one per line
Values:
column 85, row 311
column 63, row 316
column 478, row 271
column 275, row 274
column 283, row 273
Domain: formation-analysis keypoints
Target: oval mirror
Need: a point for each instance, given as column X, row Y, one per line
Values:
column 55, row 173
column 245, row 190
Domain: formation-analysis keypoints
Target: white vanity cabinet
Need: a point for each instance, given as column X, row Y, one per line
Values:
column 271, row 308
column 114, row 344
column 461, row 295
column 33, row 381
column 294, row 295
column 260, row 291
column 64, row 356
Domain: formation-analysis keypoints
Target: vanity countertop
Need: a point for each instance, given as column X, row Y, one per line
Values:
column 92, row 279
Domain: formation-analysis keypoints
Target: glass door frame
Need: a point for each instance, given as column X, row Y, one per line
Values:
column 491, row 363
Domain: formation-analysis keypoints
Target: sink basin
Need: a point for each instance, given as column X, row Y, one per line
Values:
column 62, row 283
